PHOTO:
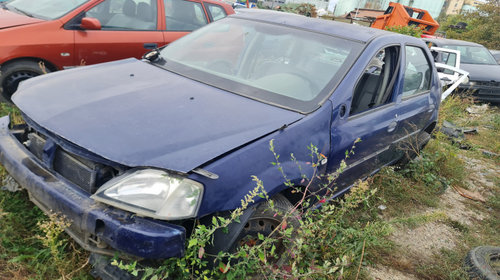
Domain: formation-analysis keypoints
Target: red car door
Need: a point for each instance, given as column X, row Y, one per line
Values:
column 129, row 28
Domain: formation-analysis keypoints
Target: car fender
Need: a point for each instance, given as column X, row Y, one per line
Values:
column 237, row 172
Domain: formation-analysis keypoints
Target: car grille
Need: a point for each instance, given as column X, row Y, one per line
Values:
column 488, row 83
column 86, row 174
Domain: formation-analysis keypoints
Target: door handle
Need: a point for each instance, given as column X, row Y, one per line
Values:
column 392, row 126
column 150, row 46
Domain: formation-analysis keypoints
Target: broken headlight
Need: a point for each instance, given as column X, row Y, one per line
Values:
column 153, row 193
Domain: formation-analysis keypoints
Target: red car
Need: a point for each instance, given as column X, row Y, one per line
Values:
column 60, row 34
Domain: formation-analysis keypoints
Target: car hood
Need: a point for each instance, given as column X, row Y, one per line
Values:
column 10, row 19
column 482, row 72
column 136, row 114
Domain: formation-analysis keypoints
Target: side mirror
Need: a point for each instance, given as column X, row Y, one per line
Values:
column 89, row 23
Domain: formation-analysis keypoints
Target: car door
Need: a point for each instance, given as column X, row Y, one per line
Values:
column 182, row 17
column 417, row 105
column 372, row 117
column 129, row 28
column 448, row 57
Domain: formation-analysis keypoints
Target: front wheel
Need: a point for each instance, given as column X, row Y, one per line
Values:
column 264, row 221
column 11, row 74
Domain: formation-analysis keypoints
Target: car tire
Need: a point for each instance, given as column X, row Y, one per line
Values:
column 11, row 74
column 483, row 263
column 264, row 220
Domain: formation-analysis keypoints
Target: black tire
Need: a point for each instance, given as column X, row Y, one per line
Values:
column 483, row 263
column 264, row 220
column 11, row 74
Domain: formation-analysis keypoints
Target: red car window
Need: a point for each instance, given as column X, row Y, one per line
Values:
column 126, row 14
column 181, row 15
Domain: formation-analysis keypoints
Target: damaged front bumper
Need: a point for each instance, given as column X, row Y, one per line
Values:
column 484, row 91
column 96, row 227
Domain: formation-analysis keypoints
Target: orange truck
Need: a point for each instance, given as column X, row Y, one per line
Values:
column 398, row 14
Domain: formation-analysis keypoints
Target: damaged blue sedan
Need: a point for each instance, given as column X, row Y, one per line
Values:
column 133, row 152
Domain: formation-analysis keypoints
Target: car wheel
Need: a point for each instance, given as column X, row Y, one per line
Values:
column 483, row 262
column 263, row 221
column 14, row 73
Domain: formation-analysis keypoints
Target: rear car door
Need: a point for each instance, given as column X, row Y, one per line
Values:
column 372, row 118
column 417, row 105
column 129, row 28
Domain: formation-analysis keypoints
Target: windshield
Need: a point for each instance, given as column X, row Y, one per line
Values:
column 44, row 9
column 271, row 63
column 473, row 54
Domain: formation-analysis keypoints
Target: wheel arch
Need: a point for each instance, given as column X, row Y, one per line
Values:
column 49, row 65
column 430, row 127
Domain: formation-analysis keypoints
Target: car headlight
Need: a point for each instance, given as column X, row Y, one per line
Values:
column 469, row 83
column 153, row 193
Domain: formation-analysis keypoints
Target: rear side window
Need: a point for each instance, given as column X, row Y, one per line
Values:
column 375, row 86
column 216, row 11
column 184, row 15
column 417, row 78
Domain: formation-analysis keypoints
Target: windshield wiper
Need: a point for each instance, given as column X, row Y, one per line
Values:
column 23, row 12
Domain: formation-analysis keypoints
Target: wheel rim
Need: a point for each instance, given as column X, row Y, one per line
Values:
column 262, row 225
column 12, row 81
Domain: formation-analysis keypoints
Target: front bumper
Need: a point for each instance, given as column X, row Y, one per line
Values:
column 485, row 93
column 95, row 226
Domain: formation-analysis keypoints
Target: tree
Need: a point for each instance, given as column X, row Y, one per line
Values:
column 483, row 25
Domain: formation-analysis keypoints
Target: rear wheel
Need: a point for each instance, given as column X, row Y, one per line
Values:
column 11, row 74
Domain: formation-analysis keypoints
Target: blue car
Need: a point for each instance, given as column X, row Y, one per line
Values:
column 134, row 152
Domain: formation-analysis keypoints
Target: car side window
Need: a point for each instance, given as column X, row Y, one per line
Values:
column 376, row 84
column 216, row 11
column 125, row 14
column 182, row 15
column 417, row 77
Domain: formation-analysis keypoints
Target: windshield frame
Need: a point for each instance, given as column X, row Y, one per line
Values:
column 258, row 93
column 13, row 8
column 467, row 61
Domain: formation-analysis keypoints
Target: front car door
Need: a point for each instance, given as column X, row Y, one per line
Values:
column 371, row 117
column 129, row 28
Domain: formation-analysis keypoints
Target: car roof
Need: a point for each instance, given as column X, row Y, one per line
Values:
column 329, row 27
column 443, row 41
